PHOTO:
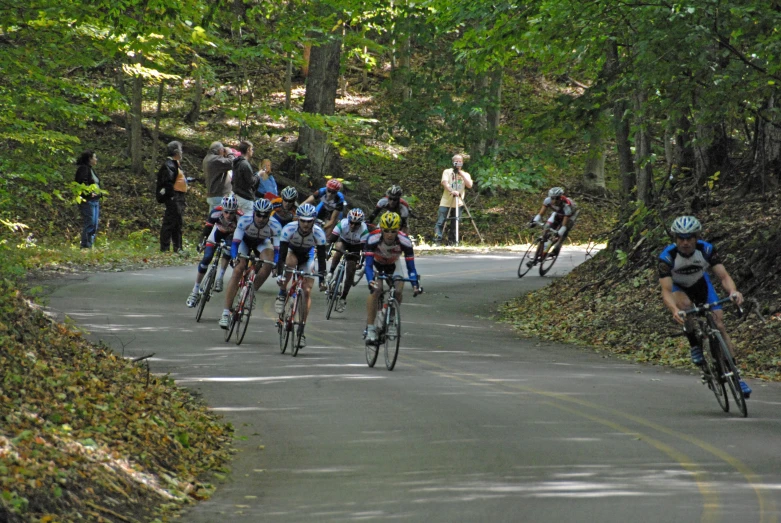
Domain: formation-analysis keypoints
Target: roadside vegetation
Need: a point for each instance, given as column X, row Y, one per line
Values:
column 591, row 96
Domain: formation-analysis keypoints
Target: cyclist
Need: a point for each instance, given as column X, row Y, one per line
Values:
column 330, row 203
column 684, row 280
column 297, row 243
column 383, row 249
column 257, row 234
column 349, row 235
column 219, row 226
column 564, row 214
column 393, row 202
column 285, row 206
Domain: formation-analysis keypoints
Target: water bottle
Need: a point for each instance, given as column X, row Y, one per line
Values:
column 379, row 321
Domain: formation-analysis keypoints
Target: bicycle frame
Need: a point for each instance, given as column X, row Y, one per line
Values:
column 389, row 332
column 205, row 292
column 286, row 320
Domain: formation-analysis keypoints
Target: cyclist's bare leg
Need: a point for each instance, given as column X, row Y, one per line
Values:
column 348, row 280
column 291, row 262
column 683, row 303
column 399, row 291
column 308, row 282
column 233, row 284
column 265, row 268
column 373, row 303
column 718, row 319
column 337, row 257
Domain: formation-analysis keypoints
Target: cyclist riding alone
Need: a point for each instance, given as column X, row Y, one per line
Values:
column 285, row 206
column 564, row 214
column 349, row 235
column 383, row 249
column 330, row 203
column 297, row 244
column 257, row 234
column 393, row 202
column 219, row 226
column 684, row 280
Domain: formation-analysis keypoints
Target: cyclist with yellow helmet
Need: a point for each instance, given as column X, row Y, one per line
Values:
column 383, row 249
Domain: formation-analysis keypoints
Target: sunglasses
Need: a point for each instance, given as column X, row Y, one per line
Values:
column 229, row 212
column 393, row 199
column 329, row 191
column 684, row 236
column 262, row 214
column 390, row 230
column 306, row 220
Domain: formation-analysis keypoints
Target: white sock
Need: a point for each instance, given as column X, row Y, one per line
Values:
column 226, row 312
column 196, row 288
column 221, row 273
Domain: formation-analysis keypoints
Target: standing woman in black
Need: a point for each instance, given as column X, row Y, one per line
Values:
column 90, row 204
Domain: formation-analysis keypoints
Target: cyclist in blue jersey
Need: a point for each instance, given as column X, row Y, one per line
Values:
column 349, row 235
column 330, row 203
column 684, row 281
column 298, row 243
column 219, row 226
column 257, row 234
column 383, row 249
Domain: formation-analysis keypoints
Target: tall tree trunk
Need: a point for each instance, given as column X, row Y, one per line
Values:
column 683, row 153
column 320, row 98
column 195, row 110
column 594, row 172
column 307, row 57
column 626, row 168
column 494, row 113
column 288, row 81
column 136, row 143
column 644, row 169
column 477, row 128
column 156, row 133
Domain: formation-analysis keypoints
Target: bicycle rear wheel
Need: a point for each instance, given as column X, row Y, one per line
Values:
column 548, row 258
column 392, row 334
column 298, row 328
column 712, row 374
column 286, row 324
column 205, row 292
column 246, row 312
column 731, row 374
column 528, row 260
column 333, row 291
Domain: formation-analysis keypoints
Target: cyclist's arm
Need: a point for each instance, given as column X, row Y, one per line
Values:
column 311, row 199
column 283, row 248
column 727, row 283
column 368, row 266
column 377, row 210
column 538, row 218
column 320, row 249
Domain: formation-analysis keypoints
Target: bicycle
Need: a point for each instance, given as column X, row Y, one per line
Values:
column 542, row 251
column 242, row 311
column 207, row 284
column 286, row 323
column 388, row 323
column 336, row 287
column 719, row 369
column 360, row 269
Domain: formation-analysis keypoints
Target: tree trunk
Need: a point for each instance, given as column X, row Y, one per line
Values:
column 494, row 113
column 156, row 133
column 136, row 144
column 477, row 129
column 626, row 168
column 307, row 59
column 195, row 109
column 684, row 159
column 288, row 81
column 320, row 98
column 643, row 167
column 594, row 172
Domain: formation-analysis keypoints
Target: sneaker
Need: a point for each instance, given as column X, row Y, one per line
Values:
column 371, row 334
column 341, row 305
column 218, row 285
column 279, row 304
column 302, row 343
column 192, row 300
column 697, row 356
column 746, row 389
column 225, row 321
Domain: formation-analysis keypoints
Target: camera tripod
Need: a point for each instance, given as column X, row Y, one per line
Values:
column 457, row 219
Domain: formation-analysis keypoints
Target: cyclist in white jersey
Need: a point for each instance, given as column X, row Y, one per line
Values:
column 257, row 234
column 298, row 242
column 349, row 235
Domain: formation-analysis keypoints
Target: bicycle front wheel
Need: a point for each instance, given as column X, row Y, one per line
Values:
column 246, row 312
column 528, row 260
column 286, row 324
column 205, row 293
column 392, row 334
column 548, row 258
column 712, row 373
column 298, row 327
column 333, row 291
column 731, row 374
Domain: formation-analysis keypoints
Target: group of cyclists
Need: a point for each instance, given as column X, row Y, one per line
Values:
column 291, row 236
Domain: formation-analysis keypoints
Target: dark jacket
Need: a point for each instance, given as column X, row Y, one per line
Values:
column 244, row 180
column 166, row 177
column 86, row 175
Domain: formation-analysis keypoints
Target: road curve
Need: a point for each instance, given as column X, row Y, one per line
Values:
column 474, row 424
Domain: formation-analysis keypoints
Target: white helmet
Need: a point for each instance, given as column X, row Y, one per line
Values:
column 555, row 191
column 684, row 225
column 262, row 206
column 230, row 203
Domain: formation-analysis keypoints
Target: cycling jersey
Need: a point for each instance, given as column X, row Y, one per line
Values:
column 280, row 214
column 253, row 236
column 343, row 232
column 383, row 206
column 302, row 246
column 689, row 272
column 385, row 256
column 224, row 224
column 564, row 206
column 328, row 201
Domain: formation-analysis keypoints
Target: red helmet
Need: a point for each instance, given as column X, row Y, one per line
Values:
column 334, row 185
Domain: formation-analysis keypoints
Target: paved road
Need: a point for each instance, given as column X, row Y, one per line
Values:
column 475, row 424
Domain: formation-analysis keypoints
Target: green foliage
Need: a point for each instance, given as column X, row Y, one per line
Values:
column 513, row 174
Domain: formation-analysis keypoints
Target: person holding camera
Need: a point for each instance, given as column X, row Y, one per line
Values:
column 244, row 178
column 455, row 181
column 217, row 165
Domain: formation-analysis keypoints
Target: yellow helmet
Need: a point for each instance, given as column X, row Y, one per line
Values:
column 390, row 221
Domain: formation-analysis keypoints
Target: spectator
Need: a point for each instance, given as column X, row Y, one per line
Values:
column 268, row 185
column 171, row 188
column 89, row 205
column 216, row 167
column 244, row 178
column 455, row 182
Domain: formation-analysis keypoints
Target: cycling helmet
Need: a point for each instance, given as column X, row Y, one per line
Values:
column 306, row 212
column 555, row 191
column 289, row 193
column 355, row 216
column 230, row 203
column 334, row 185
column 262, row 206
column 390, row 221
column 394, row 192
column 686, row 225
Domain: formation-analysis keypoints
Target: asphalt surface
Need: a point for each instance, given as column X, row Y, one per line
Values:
column 474, row 424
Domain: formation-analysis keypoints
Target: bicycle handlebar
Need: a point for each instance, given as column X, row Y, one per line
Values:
column 395, row 279
column 707, row 307
column 301, row 273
